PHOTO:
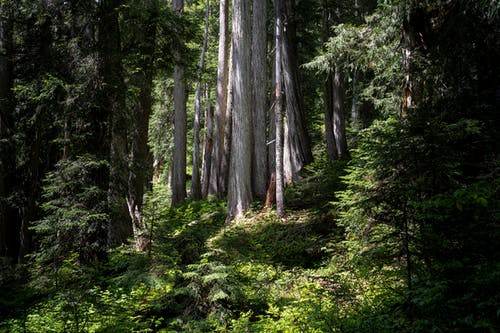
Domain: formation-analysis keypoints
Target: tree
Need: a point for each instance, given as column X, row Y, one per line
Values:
column 180, row 136
column 240, row 171
column 113, row 104
column 140, row 158
column 339, row 129
column 221, row 101
column 196, row 181
column 6, row 107
column 279, row 172
column 297, row 145
column 259, row 54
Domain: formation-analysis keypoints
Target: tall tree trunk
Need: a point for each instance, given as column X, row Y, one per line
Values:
column 228, row 133
column 207, row 144
column 195, row 180
column 240, row 172
column 6, row 154
column 279, row 173
column 331, row 150
column 339, row 114
column 120, row 227
column 259, row 54
column 140, row 155
column 180, row 138
column 297, row 137
column 221, row 100
column 355, row 116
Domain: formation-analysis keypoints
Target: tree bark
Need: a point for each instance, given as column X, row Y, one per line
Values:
column 221, row 100
column 259, row 54
column 207, row 145
column 195, row 179
column 120, row 227
column 240, row 172
column 140, row 156
column 180, row 138
column 339, row 114
column 279, row 173
column 228, row 134
column 6, row 164
column 331, row 150
column 297, row 138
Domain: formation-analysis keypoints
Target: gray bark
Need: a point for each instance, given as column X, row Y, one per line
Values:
column 207, row 145
column 180, row 139
column 221, row 100
column 339, row 114
column 259, row 44
column 279, row 173
column 195, row 180
column 240, row 171
column 228, row 132
column 297, row 139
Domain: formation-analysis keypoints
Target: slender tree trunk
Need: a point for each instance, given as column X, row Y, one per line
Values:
column 297, row 137
column 331, row 150
column 120, row 227
column 221, row 100
column 207, row 145
column 339, row 114
column 228, row 133
column 259, row 54
column 140, row 155
column 180, row 138
column 6, row 100
column 195, row 180
column 279, row 173
column 355, row 116
column 240, row 172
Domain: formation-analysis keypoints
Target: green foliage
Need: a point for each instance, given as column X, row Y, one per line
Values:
column 75, row 212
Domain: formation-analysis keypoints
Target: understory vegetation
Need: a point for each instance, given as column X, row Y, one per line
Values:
column 258, row 274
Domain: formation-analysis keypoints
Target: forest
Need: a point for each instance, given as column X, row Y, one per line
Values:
column 249, row 166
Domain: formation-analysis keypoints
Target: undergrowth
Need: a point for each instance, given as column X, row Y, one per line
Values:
column 257, row 274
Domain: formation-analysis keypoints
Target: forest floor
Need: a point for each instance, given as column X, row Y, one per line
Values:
column 257, row 274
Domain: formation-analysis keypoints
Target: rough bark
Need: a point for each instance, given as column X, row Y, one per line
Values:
column 240, row 172
column 221, row 100
column 207, row 145
column 279, row 173
column 120, row 227
column 228, row 133
column 297, row 139
column 195, row 179
column 339, row 114
column 180, row 137
column 331, row 150
column 140, row 155
column 355, row 107
column 6, row 162
column 259, row 44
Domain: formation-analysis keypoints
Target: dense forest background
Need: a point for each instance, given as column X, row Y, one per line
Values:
column 249, row 166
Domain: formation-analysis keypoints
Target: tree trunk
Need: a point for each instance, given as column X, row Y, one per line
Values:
column 180, row 138
column 228, row 132
column 339, row 114
column 259, row 54
column 279, row 173
column 207, row 145
column 297, row 138
column 331, row 150
column 355, row 116
column 140, row 155
column 221, row 100
column 240, row 172
column 6, row 154
column 120, row 227
column 195, row 180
